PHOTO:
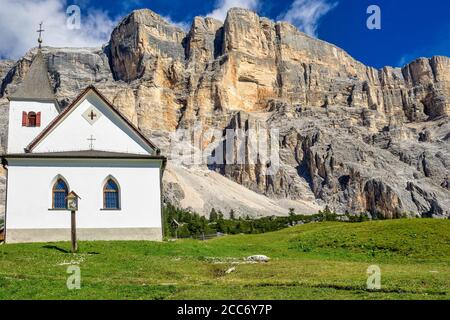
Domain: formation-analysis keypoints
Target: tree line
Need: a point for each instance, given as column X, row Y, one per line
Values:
column 183, row 224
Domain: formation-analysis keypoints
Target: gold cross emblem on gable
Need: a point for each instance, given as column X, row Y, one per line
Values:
column 91, row 115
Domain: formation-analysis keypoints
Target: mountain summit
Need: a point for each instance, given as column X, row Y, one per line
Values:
column 355, row 138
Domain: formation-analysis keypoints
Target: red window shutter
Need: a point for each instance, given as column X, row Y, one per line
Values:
column 38, row 119
column 24, row 119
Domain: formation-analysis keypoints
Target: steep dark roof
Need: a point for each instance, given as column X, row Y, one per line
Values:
column 74, row 103
column 36, row 83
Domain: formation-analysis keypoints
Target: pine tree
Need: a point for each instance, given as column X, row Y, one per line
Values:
column 291, row 218
column 213, row 216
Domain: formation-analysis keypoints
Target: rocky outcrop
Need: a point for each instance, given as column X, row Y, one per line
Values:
column 141, row 43
column 5, row 66
column 351, row 136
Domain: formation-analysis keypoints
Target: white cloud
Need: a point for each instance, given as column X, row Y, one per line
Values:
column 183, row 25
column 222, row 7
column 403, row 61
column 306, row 14
column 408, row 58
column 19, row 20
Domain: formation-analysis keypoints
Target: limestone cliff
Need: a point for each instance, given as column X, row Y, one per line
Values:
column 354, row 137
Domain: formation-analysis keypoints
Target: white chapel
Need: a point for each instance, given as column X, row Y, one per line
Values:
column 89, row 148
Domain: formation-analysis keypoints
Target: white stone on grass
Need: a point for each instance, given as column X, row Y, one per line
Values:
column 258, row 258
column 230, row 270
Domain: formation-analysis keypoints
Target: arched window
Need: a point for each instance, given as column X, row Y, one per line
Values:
column 60, row 191
column 31, row 119
column 111, row 195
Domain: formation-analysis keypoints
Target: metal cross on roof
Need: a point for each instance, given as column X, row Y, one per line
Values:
column 91, row 139
column 40, row 34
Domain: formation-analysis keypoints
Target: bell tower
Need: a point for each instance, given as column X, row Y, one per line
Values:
column 32, row 106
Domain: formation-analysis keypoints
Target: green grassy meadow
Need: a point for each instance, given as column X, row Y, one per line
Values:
column 314, row 261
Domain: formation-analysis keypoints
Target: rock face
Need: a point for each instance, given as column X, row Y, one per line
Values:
column 353, row 137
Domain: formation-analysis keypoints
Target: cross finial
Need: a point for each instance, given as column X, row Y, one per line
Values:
column 40, row 34
column 92, row 115
column 91, row 139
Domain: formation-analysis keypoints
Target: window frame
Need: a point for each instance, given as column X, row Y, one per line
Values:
column 54, row 190
column 105, row 191
column 31, row 115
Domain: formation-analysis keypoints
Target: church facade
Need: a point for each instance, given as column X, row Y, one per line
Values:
column 89, row 148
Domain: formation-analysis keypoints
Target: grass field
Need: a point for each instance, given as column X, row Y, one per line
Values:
column 313, row 261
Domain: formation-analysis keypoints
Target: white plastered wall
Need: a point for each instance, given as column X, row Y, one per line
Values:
column 18, row 136
column 110, row 132
column 29, row 195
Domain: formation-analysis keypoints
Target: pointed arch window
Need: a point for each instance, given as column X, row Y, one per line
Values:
column 60, row 192
column 111, row 197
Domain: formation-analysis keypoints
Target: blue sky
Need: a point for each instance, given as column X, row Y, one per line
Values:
column 409, row 29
